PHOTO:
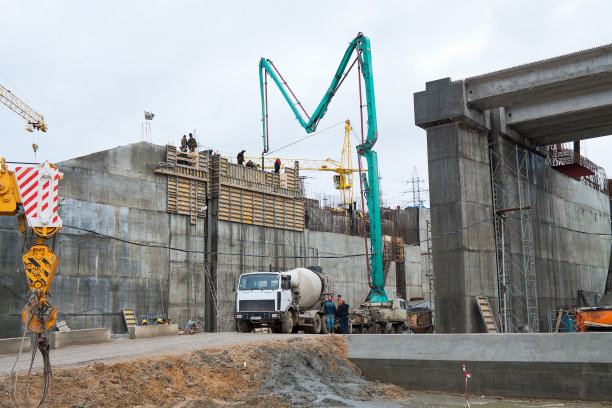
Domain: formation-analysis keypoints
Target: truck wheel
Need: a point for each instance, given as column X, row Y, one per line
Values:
column 384, row 328
column 377, row 328
column 287, row 323
column 399, row 329
column 245, row 327
column 316, row 327
column 371, row 330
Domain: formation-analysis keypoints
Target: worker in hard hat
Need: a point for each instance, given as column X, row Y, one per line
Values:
column 329, row 309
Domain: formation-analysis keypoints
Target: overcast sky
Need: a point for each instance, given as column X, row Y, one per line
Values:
column 93, row 68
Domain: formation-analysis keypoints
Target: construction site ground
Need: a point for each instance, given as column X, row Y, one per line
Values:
column 226, row 369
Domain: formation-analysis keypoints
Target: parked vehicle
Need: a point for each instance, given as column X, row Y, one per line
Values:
column 284, row 301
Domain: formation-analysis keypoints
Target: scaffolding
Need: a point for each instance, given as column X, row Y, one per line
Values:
column 514, row 244
column 563, row 158
column 429, row 272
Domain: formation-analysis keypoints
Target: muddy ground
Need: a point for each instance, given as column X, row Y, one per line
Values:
column 277, row 373
column 286, row 372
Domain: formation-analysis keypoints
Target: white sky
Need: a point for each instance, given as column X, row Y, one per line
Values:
column 92, row 68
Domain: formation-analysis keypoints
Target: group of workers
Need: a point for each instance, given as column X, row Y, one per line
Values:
column 240, row 160
column 190, row 143
column 341, row 311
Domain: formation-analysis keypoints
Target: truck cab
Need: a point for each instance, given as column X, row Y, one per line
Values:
column 261, row 299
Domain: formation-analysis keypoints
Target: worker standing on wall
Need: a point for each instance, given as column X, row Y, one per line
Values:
column 277, row 165
column 240, row 157
column 329, row 309
column 192, row 143
column 184, row 144
column 343, row 312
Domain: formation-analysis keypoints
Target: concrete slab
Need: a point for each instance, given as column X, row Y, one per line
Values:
column 143, row 332
column 74, row 337
column 12, row 345
column 560, row 366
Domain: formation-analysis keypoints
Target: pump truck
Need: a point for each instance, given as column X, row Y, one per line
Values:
column 379, row 311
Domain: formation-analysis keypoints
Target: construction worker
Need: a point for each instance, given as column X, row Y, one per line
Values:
column 250, row 163
column 184, row 144
column 329, row 309
column 339, row 301
column 277, row 165
column 240, row 157
column 192, row 143
column 343, row 312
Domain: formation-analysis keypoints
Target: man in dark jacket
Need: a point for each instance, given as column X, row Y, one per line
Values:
column 240, row 157
column 192, row 143
column 277, row 165
column 343, row 312
column 329, row 309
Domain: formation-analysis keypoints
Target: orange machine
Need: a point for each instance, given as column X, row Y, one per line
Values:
column 594, row 319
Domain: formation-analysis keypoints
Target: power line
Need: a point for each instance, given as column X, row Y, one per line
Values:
column 306, row 137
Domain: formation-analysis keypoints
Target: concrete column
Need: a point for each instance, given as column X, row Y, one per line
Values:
column 460, row 196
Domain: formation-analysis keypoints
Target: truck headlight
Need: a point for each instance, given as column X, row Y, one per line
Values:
column 238, row 316
column 275, row 315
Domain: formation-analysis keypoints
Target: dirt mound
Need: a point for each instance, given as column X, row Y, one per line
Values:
column 278, row 373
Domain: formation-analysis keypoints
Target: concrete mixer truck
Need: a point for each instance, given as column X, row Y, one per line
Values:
column 283, row 301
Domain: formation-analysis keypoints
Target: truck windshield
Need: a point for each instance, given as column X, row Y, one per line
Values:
column 260, row 281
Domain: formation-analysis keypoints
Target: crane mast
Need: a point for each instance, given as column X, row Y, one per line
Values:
column 361, row 45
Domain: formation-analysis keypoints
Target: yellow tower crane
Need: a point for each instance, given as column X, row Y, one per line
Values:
column 34, row 120
column 343, row 179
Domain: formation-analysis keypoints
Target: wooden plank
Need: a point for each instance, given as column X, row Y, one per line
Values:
column 558, row 324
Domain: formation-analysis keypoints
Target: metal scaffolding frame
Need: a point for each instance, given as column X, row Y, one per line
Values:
column 429, row 272
column 514, row 244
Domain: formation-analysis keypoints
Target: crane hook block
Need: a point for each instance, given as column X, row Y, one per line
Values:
column 40, row 263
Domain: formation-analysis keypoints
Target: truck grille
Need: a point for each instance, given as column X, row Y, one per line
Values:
column 257, row 305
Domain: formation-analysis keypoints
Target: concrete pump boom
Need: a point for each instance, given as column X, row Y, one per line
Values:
column 360, row 44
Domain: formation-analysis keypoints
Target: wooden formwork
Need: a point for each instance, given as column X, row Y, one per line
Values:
column 393, row 249
column 187, row 182
column 246, row 195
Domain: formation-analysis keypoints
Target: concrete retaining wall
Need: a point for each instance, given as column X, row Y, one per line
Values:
column 13, row 345
column 563, row 366
column 144, row 332
column 74, row 337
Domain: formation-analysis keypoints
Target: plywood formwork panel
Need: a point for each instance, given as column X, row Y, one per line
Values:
column 246, row 195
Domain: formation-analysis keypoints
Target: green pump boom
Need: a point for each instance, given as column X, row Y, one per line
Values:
column 361, row 44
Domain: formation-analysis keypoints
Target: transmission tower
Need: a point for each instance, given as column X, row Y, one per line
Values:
column 416, row 189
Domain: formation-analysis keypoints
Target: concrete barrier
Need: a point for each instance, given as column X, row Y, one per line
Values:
column 558, row 366
column 143, row 332
column 73, row 337
column 12, row 345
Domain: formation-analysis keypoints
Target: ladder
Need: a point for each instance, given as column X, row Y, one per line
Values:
column 129, row 317
column 486, row 314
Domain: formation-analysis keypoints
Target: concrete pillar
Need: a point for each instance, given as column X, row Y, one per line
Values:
column 460, row 196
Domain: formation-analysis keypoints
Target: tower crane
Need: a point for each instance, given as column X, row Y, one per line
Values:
column 34, row 120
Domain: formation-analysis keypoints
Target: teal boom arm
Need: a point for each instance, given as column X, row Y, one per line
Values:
column 361, row 44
